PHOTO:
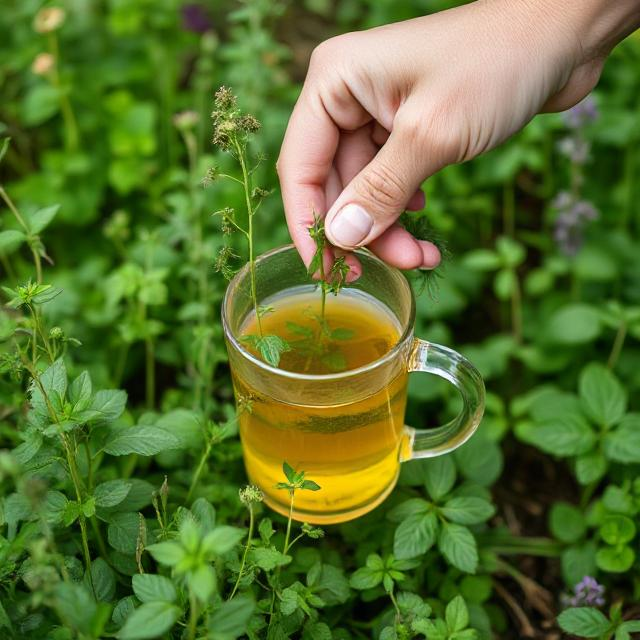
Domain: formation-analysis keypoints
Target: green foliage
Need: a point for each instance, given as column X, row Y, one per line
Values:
column 121, row 508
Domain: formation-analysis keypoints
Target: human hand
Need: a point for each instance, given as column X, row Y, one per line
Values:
column 383, row 109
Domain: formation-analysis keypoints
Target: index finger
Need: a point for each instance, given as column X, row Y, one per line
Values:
column 305, row 161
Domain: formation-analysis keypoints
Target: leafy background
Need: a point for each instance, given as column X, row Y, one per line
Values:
column 120, row 513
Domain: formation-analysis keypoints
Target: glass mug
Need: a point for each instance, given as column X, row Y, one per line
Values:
column 345, row 430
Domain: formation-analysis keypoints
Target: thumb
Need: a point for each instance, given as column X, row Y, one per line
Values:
column 376, row 196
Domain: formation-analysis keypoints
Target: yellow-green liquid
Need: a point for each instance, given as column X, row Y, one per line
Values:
column 351, row 450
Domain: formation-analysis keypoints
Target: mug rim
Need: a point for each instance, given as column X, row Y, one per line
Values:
column 407, row 331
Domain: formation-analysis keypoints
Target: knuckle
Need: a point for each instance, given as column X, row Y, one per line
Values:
column 325, row 53
column 383, row 186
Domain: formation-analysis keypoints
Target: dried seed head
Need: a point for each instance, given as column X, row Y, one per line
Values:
column 248, row 123
column 43, row 64
column 224, row 100
column 48, row 20
column 251, row 495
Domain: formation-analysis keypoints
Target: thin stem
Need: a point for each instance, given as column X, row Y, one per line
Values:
column 246, row 179
column 246, row 551
column 395, row 605
column 150, row 369
column 68, row 117
column 193, row 615
column 5, row 196
column 618, row 343
column 289, row 521
column 516, row 309
column 200, row 468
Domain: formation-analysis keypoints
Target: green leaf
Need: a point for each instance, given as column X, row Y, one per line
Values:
column 590, row 467
column 289, row 601
column 167, row 553
column 476, row 589
column 149, row 620
column 143, row 440
column 122, row 532
column 42, row 218
column 615, row 560
column 342, row 333
column 505, row 283
column 271, row 348
column 366, row 578
column 54, row 383
column 577, row 562
column 299, row 330
column 456, row 615
column 408, row 508
column 479, row 460
column 482, row 260
column 584, row 621
column 569, row 435
column 616, row 530
column 10, row 240
column 203, row 582
column 230, row 620
column 330, row 584
column 440, row 476
column 153, row 588
column 75, row 606
column 111, row 493
column 123, row 609
column 566, row 522
column 80, row 391
column 268, row 558
column 289, row 472
column 574, row 324
column 108, row 404
column 310, row 485
column 511, row 251
column 458, row 546
column 467, row 510
column 623, row 444
column 603, row 398
column 103, row 579
column 222, row 539
column 266, row 530
column 204, row 513
column 415, row 535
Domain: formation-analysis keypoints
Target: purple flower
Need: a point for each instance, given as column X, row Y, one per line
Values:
column 195, row 18
column 587, row 593
column 572, row 217
column 575, row 148
column 581, row 114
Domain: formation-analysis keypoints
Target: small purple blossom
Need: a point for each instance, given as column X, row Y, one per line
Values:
column 195, row 18
column 572, row 217
column 581, row 114
column 575, row 148
column 587, row 593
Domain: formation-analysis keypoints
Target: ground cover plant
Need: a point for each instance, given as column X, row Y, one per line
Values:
column 124, row 507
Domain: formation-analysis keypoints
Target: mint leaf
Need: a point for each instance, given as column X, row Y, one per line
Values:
column 167, row 553
column 80, row 391
column 566, row 522
column 230, row 620
column 440, row 476
column 149, row 620
column 458, row 546
column 108, row 404
column 111, row 493
column 467, row 510
column 584, row 621
column 342, row 333
column 615, row 559
column 569, row 435
column 143, row 440
column 456, row 615
column 590, row 467
column 268, row 558
column 153, row 588
column 415, row 535
column 602, row 396
column 623, row 444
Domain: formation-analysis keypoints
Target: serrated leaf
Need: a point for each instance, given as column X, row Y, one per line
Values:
column 149, row 620
column 566, row 522
column 167, row 553
column 268, row 558
column 153, row 588
column 366, row 578
column 456, row 615
column 415, row 535
column 569, row 435
column 584, row 621
column 623, row 444
column 143, row 440
column 80, row 391
column 440, row 476
column 458, row 546
column 103, row 579
column 111, row 493
column 222, row 539
column 467, row 510
column 108, row 404
column 601, row 394
column 122, row 532
column 271, row 348
column 230, row 620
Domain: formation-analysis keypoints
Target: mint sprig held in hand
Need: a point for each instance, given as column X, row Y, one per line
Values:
column 232, row 130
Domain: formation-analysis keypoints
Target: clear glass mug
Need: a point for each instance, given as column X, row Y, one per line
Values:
column 345, row 430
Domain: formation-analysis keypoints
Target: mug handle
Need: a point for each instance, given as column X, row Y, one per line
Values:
column 450, row 365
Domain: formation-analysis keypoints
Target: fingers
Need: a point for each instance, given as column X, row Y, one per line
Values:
column 397, row 247
column 381, row 191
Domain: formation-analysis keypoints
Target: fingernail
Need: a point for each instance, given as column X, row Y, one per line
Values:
column 350, row 226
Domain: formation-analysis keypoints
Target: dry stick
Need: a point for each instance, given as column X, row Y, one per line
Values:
column 526, row 629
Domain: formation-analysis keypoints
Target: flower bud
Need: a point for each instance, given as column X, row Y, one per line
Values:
column 49, row 19
column 43, row 64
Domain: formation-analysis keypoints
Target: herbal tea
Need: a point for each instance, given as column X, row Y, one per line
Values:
column 351, row 450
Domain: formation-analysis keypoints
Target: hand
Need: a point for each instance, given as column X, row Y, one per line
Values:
column 381, row 110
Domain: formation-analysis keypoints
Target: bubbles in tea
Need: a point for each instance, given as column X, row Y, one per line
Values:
column 351, row 450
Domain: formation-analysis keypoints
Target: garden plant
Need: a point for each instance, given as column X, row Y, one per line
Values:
column 132, row 187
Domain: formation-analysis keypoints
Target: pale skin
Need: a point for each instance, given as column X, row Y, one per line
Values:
column 382, row 110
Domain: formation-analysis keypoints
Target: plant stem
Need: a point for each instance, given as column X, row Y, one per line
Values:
column 246, row 181
column 395, row 605
column 5, row 196
column 516, row 309
column 285, row 548
column 618, row 343
column 246, row 550
column 193, row 615
column 200, row 468
column 150, row 369
column 70, row 126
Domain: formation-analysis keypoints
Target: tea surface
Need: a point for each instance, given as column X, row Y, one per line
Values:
column 350, row 450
